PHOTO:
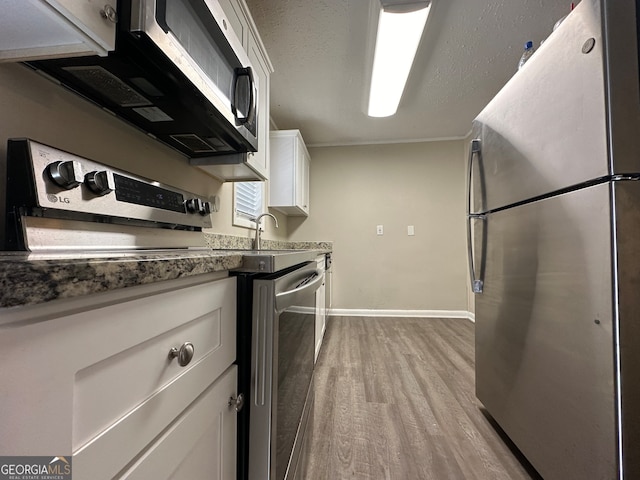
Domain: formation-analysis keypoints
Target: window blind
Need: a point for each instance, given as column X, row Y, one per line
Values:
column 249, row 199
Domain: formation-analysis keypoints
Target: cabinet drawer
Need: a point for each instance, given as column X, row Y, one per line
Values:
column 141, row 371
column 99, row 384
column 150, row 388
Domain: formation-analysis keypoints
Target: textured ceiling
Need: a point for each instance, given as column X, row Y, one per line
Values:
column 321, row 51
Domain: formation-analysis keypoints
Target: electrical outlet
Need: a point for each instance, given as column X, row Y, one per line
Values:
column 379, row 230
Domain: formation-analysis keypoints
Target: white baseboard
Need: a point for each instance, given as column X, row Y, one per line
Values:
column 354, row 312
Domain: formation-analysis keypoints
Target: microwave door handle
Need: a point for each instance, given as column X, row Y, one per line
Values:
column 253, row 97
column 245, row 72
column 287, row 299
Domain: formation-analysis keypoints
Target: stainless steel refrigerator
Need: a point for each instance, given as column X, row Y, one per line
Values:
column 554, row 237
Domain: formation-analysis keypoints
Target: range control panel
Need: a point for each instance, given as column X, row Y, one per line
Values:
column 63, row 181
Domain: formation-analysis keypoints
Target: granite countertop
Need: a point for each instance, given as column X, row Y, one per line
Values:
column 33, row 278
column 29, row 279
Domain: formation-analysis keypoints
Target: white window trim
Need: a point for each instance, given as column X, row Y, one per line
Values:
column 241, row 219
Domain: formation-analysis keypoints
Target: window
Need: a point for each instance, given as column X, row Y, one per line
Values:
column 248, row 202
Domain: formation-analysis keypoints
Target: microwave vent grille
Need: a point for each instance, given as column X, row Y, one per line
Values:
column 194, row 143
column 108, row 85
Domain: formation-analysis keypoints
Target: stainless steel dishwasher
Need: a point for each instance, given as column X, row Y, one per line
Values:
column 276, row 339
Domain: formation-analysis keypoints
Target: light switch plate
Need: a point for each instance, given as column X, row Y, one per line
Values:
column 411, row 230
column 379, row 230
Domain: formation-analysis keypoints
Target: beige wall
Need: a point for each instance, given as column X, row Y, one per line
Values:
column 355, row 188
column 34, row 107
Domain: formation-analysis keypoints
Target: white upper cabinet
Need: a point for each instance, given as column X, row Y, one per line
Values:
column 240, row 20
column 236, row 12
column 260, row 159
column 37, row 29
column 289, row 188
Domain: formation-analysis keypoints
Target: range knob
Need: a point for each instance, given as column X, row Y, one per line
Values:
column 206, row 209
column 195, row 205
column 100, row 182
column 66, row 174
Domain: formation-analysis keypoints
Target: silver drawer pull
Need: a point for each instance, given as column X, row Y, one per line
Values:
column 184, row 353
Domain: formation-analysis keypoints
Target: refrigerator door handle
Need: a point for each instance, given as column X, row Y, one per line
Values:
column 476, row 283
column 474, row 149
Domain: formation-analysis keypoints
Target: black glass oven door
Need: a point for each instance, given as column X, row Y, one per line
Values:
column 295, row 360
column 296, row 332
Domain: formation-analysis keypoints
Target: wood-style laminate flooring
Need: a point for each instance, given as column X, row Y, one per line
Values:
column 395, row 399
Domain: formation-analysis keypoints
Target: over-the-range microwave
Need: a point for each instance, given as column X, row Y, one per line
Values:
column 178, row 72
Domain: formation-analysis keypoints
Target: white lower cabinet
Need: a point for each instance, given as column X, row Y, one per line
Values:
column 200, row 443
column 95, row 380
column 321, row 318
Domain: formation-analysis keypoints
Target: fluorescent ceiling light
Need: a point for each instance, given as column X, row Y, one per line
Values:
column 397, row 41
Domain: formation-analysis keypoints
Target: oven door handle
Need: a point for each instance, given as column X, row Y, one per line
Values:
column 289, row 298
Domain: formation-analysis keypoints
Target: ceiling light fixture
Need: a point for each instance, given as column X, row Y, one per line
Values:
column 400, row 28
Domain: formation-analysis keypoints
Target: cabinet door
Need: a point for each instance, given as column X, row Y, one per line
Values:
column 320, row 318
column 239, row 19
column 100, row 384
column 320, row 310
column 328, row 280
column 302, row 187
column 289, row 192
column 36, row 29
column 260, row 159
column 199, row 444
column 92, row 18
column 236, row 19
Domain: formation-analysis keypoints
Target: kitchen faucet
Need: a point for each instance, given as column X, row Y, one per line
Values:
column 257, row 243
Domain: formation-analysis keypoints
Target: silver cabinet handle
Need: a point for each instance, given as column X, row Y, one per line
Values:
column 184, row 353
column 237, row 402
column 476, row 283
column 109, row 13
